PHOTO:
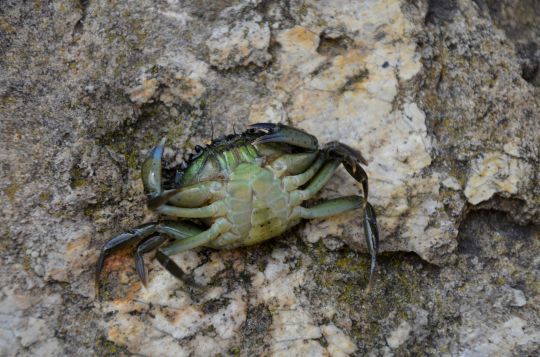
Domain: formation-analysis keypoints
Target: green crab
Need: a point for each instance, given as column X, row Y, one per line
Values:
column 241, row 189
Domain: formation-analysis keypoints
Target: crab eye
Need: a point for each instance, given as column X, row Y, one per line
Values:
column 198, row 148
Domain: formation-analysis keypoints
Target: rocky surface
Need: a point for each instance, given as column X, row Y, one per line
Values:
column 441, row 97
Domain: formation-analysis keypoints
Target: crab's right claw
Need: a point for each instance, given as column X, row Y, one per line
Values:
column 151, row 171
column 279, row 133
column 372, row 238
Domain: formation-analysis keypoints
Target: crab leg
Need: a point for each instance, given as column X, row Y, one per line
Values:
column 215, row 209
column 190, row 197
column 146, row 246
column 316, row 184
column 293, row 182
column 122, row 240
column 338, row 153
column 329, row 208
column 163, row 254
column 351, row 160
column 172, row 229
column 196, row 195
column 294, row 164
column 219, row 227
column 345, row 204
column 371, row 232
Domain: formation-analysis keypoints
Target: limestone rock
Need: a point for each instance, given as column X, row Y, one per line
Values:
column 239, row 44
column 441, row 97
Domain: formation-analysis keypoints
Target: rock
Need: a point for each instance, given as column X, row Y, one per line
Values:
column 441, row 98
column 240, row 44
column 494, row 173
column 143, row 92
column 339, row 344
column 452, row 183
column 35, row 331
column 518, row 298
column 504, row 339
column 399, row 335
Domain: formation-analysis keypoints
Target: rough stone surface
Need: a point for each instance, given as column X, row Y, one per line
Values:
column 441, row 97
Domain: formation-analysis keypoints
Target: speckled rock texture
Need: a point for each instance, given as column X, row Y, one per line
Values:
column 441, row 97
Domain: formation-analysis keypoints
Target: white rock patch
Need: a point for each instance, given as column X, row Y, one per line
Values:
column 339, row 344
column 399, row 335
column 492, row 173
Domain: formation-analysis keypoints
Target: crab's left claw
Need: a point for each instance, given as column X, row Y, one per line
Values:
column 372, row 238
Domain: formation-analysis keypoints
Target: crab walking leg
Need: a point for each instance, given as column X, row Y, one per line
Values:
column 294, row 164
column 371, row 232
column 316, row 184
column 122, row 240
column 220, row 226
column 163, row 254
column 351, row 160
column 329, row 208
column 344, row 204
column 215, row 209
column 291, row 183
column 146, row 246
column 168, row 229
column 173, row 229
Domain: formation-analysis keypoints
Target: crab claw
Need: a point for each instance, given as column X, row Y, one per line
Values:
column 269, row 127
column 372, row 238
column 337, row 149
column 151, row 170
column 159, row 200
column 279, row 133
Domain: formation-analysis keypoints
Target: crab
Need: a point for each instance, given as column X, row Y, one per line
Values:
column 240, row 190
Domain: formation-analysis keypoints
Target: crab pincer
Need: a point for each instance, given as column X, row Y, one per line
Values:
column 279, row 133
